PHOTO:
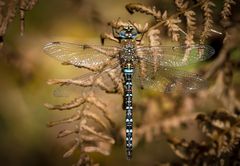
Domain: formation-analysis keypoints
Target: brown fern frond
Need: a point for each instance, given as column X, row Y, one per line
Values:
column 189, row 39
column 72, row 149
column 181, row 4
column 156, row 128
column 154, row 40
column 154, row 37
column 96, row 118
column 65, row 132
column 141, row 28
column 108, row 89
column 92, row 81
column 100, row 135
column 8, row 10
column 193, row 153
column 67, row 106
column 91, row 98
column 10, row 14
column 226, row 11
column 78, row 82
column 6, row 17
column 71, row 119
column 90, row 138
column 154, row 123
column 208, row 19
column 177, row 14
column 142, row 65
column 173, row 28
column 117, row 81
column 25, row 5
column 100, row 147
column 190, row 20
column 191, row 27
column 138, row 7
column 85, row 160
column 85, row 132
column 222, row 128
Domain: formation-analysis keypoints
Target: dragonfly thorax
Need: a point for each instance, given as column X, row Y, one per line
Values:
column 128, row 52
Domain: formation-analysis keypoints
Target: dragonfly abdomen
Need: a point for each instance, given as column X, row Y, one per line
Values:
column 128, row 73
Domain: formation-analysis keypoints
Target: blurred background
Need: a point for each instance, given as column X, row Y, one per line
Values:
column 24, row 70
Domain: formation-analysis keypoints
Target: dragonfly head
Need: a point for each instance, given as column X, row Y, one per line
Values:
column 128, row 32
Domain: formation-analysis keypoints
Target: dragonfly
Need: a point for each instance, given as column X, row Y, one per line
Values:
column 162, row 73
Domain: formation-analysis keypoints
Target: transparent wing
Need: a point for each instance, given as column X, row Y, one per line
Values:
column 80, row 55
column 175, row 56
column 166, row 79
column 75, row 87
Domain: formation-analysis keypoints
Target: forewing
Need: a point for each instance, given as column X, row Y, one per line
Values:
column 80, row 55
column 174, row 56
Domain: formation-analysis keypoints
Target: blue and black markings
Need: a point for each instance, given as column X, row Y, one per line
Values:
column 128, row 73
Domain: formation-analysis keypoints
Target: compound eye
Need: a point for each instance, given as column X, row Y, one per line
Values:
column 122, row 34
column 134, row 33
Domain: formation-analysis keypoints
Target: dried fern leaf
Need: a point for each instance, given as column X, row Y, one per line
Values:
column 89, row 149
column 154, row 37
column 78, row 82
column 66, row 106
column 117, row 81
column 192, row 153
column 223, row 128
column 90, row 138
column 8, row 16
column 85, row 160
column 96, row 133
column 140, row 28
column 65, row 120
column 103, row 86
column 226, row 11
column 190, row 20
column 177, row 146
column 27, row 4
column 155, row 128
column 138, row 7
column 208, row 19
column 181, row 4
column 191, row 27
column 95, row 117
column 73, row 148
column 94, row 139
column 65, row 132
column 100, row 105
column 173, row 28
